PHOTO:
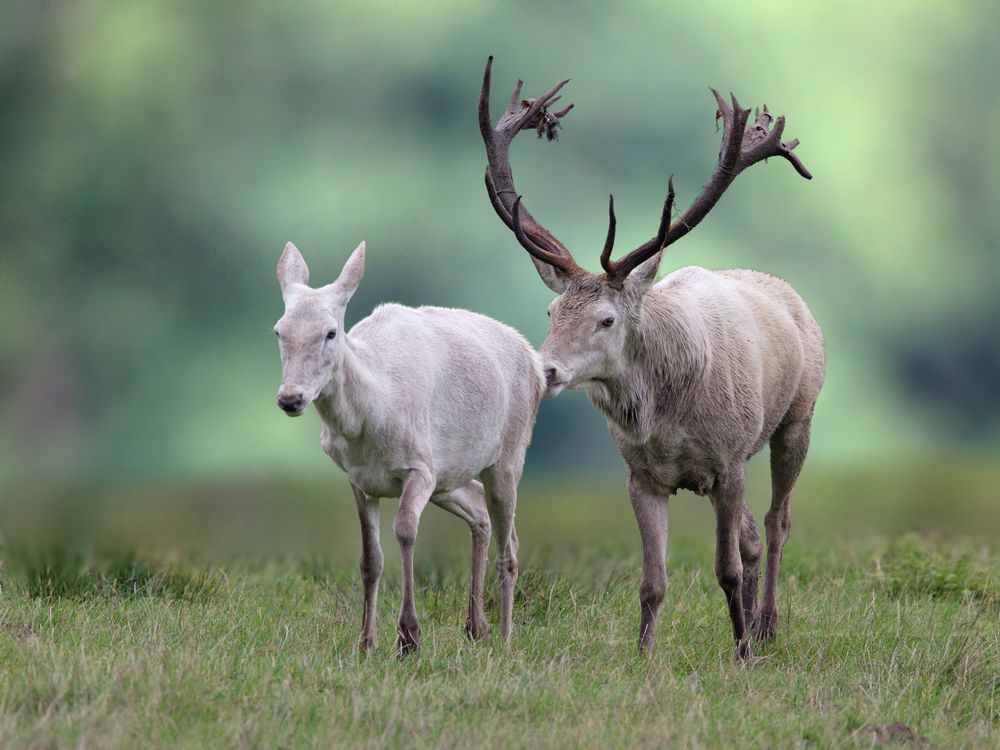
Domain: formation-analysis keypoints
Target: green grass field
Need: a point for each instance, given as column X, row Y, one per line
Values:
column 884, row 639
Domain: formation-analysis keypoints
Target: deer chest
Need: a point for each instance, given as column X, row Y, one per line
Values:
column 375, row 473
column 663, row 466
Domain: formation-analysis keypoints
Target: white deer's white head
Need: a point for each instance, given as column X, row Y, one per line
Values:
column 310, row 332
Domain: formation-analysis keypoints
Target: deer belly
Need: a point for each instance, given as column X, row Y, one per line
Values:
column 675, row 477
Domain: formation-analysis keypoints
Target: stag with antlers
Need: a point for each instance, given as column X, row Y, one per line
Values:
column 695, row 373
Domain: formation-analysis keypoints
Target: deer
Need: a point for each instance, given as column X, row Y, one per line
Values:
column 425, row 404
column 694, row 373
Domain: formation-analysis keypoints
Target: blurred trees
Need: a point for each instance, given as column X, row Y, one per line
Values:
column 156, row 157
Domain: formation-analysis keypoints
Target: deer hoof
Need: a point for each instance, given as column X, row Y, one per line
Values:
column 476, row 629
column 407, row 641
column 743, row 650
column 766, row 626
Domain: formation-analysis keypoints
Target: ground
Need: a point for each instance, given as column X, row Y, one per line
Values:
column 882, row 641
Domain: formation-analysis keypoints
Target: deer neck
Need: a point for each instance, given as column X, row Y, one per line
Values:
column 346, row 401
column 664, row 362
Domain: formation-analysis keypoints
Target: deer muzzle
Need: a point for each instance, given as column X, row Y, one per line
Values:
column 292, row 401
column 555, row 380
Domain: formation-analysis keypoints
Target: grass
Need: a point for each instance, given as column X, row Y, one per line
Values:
column 229, row 619
column 261, row 654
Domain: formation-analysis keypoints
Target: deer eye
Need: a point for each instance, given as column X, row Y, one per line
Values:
column 608, row 322
column 330, row 335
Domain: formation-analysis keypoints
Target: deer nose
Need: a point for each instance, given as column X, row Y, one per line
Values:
column 290, row 402
column 551, row 376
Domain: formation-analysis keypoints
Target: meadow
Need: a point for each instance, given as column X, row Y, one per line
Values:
column 231, row 618
column 178, row 560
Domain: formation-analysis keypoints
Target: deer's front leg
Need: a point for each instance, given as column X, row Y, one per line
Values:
column 727, row 497
column 651, row 515
column 417, row 489
column 750, row 552
column 371, row 565
column 500, row 482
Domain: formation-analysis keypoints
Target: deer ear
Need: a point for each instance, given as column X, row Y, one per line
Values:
column 554, row 278
column 646, row 271
column 292, row 269
column 350, row 276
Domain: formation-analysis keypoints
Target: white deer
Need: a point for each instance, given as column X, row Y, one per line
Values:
column 695, row 374
column 416, row 403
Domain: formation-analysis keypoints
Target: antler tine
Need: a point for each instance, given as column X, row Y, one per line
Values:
column 515, row 95
column 540, row 243
column 741, row 147
column 609, row 243
column 725, row 111
column 649, row 248
column 561, row 262
column 761, row 143
column 668, row 209
column 520, row 114
column 483, row 110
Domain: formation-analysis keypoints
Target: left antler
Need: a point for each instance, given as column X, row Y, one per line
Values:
column 521, row 114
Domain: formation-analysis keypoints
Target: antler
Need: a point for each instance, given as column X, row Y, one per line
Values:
column 741, row 148
column 521, row 114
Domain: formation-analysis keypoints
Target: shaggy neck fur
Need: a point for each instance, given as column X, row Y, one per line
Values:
column 664, row 366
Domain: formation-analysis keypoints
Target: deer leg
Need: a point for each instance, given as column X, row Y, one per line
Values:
column 417, row 488
column 788, row 452
column 371, row 565
column 727, row 497
column 469, row 504
column 750, row 554
column 501, row 500
column 651, row 515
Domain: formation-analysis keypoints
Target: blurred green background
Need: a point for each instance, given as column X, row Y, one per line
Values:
column 156, row 156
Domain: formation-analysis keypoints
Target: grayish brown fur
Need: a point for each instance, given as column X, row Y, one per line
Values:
column 695, row 375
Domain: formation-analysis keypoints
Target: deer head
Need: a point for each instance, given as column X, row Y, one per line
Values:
column 595, row 313
column 310, row 333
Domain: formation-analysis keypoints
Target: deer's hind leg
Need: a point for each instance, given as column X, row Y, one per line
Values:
column 469, row 504
column 727, row 498
column 788, row 452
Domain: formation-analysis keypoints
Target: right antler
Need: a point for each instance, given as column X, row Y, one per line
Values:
column 521, row 114
column 741, row 148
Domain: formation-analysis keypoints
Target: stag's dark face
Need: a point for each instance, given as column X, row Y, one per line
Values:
column 588, row 329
